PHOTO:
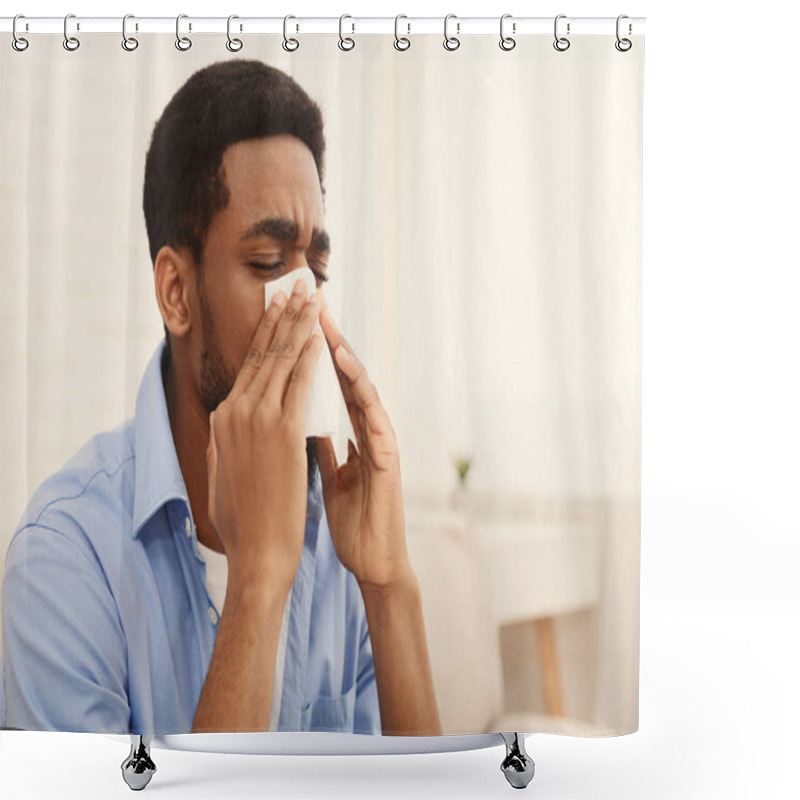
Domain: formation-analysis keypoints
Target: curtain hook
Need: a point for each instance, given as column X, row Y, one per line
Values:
column 234, row 45
column 18, row 43
column 348, row 43
column 182, row 42
column 451, row 42
column 286, row 42
column 623, row 45
column 70, row 42
column 506, row 42
column 400, row 42
column 129, row 43
column 561, row 43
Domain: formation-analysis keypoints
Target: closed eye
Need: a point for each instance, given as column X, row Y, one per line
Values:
column 272, row 267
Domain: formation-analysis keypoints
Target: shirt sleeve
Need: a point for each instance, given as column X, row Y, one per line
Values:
column 367, row 717
column 64, row 649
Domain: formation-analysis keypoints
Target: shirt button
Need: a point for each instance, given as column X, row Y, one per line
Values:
column 188, row 526
column 212, row 615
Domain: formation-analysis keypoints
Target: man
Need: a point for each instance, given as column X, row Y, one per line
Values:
column 108, row 621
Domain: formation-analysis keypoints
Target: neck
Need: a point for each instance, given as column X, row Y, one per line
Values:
column 189, row 423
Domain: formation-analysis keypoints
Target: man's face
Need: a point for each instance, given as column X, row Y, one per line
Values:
column 272, row 225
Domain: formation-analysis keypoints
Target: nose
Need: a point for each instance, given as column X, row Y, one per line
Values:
column 298, row 264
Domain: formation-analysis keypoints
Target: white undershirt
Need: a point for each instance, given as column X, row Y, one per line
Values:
column 216, row 584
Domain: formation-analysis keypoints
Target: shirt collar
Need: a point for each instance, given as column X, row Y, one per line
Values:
column 158, row 473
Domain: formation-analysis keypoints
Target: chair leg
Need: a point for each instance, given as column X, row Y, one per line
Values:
column 138, row 768
column 517, row 766
column 548, row 660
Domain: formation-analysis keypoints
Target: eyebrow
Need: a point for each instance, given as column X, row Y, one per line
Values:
column 285, row 230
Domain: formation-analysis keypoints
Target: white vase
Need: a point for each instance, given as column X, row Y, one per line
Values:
column 459, row 497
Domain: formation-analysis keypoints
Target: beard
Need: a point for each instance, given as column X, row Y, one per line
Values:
column 217, row 378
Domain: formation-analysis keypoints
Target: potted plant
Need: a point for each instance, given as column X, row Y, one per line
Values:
column 462, row 464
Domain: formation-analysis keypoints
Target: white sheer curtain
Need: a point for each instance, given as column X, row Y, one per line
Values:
column 484, row 210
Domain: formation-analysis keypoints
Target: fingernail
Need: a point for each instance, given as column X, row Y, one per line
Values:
column 279, row 298
column 299, row 284
column 312, row 299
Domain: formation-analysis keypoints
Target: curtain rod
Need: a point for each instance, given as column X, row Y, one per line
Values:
column 407, row 25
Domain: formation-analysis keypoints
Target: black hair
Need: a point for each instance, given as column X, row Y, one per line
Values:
column 219, row 105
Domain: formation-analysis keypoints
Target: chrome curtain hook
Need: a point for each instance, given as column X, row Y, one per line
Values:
column 623, row 45
column 506, row 42
column 128, row 42
column 451, row 42
column 400, row 42
column 234, row 45
column 348, row 43
column 561, row 43
column 182, row 42
column 17, row 42
column 70, row 42
column 292, row 44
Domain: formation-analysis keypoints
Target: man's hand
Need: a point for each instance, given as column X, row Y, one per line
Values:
column 257, row 489
column 257, row 470
column 364, row 497
column 364, row 506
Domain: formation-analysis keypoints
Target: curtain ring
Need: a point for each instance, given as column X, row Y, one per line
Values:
column 506, row 42
column 18, row 43
column 348, row 43
column 128, row 42
column 400, row 42
column 623, row 45
column 182, row 42
column 70, row 42
column 234, row 45
column 561, row 43
column 286, row 42
column 451, row 42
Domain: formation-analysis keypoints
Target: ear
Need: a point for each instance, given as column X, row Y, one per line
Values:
column 174, row 277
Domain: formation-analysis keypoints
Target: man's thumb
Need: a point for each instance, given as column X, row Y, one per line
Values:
column 211, row 450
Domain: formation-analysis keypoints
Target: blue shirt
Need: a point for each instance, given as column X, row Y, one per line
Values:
column 107, row 623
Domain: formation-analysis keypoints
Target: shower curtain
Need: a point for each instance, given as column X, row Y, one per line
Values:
column 483, row 209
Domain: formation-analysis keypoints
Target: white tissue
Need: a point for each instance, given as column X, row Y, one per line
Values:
column 326, row 412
